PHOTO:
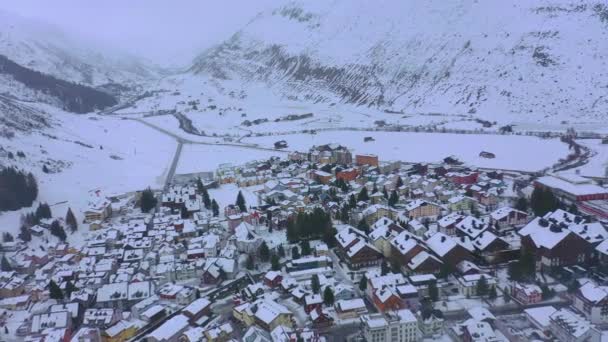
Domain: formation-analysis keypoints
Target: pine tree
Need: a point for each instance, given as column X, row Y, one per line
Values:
column 184, row 212
column 25, row 234
column 69, row 289
column 352, row 201
column 7, row 237
column 6, row 265
column 363, row 226
column 43, row 211
column 384, row 192
column 58, row 231
column 215, row 208
column 384, row 268
column 482, row 286
column 363, row 196
column 240, row 202
column 314, row 284
column 295, row 253
column 305, row 247
column 433, row 291
column 275, row 263
column 374, row 189
column 56, row 292
column 492, row 293
column 507, row 294
column 328, row 296
column 147, row 200
column 292, row 231
column 204, row 193
column 363, row 283
column 70, row 220
column 45, row 169
column 264, row 252
column 399, row 182
column 393, row 199
column 249, row 264
column 281, row 251
column 521, row 204
column 344, row 214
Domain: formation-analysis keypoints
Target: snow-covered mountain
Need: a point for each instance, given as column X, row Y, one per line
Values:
column 44, row 48
column 518, row 59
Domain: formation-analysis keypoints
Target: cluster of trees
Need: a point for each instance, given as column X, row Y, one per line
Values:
column 17, row 189
column 209, row 203
column 316, row 224
column 523, row 269
column 58, row 231
column 543, row 201
column 147, row 200
column 56, row 292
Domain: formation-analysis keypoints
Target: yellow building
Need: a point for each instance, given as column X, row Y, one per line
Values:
column 120, row 332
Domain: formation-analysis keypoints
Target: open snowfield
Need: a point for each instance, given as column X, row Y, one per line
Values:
column 226, row 195
column 200, row 158
column 512, row 152
column 598, row 164
column 127, row 162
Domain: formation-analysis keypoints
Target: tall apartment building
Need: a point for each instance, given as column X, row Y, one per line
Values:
column 394, row 326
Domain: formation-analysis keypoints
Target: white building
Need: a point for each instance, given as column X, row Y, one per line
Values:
column 397, row 326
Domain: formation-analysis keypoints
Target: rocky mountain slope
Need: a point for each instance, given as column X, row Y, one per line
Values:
column 519, row 59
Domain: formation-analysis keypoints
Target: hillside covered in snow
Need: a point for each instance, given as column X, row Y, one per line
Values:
column 507, row 59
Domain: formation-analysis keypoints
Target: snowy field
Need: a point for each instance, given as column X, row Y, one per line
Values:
column 200, row 158
column 512, row 152
column 598, row 165
column 118, row 161
column 226, row 194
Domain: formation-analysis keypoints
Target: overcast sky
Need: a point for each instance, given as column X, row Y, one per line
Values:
column 168, row 32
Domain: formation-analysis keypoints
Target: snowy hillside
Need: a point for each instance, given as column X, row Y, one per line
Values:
column 507, row 59
column 44, row 48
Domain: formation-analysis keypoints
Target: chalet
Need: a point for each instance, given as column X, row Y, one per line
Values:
column 592, row 301
column 471, row 227
column 447, row 224
column 320, row 318
column 197, row 309
column 273, row 279
column 566, row 325
column 553, row 244
column 450, row 250
column 424, row 263
column 506, row 216
column 170, row 330
column 490, row 247
column 404, row 247
column 468, row 283
column 387, row 299
column 355, row 250
column 526, row 293
column 350, row 308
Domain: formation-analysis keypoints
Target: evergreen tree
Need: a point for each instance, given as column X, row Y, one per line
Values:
column 292, row 231
column 274, row 261
column 433, row 291
column 363, row 283
column 305, row 246
column 7, row 237
column 507, row 294
column 352, row 201
column 399, row 182
column 281, row 251
column 56, row 292
column 482, row 286
column 328, row 296
column 58, row 231
column 240, row 202
column 543, row 201
column 384, row 268
column 184, row 212
column 314, row 284
column 363, row 226
column 393, row 199
column 295, row 253
column 147, row 200
column 5, row 264
column 18, row 189
column 70, row 220
column 215, row 208
column 25, row 234
column 492, row 293
column 43, row 211
column 344, row 214
column 384, row 192
column 521, row 204
column 445, row 270
column 374, row 189
column 363, row 196
column 45, row 169
column 69, row 289
column 249, row 264
column 264, row 252
column 204, row 193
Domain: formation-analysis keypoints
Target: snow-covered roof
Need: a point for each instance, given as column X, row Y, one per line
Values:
column 575, row 324
column 170, row 328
